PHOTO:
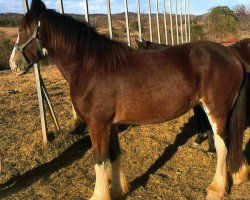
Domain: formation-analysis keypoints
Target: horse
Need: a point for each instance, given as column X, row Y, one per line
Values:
column 110, row 84
column 241, row 49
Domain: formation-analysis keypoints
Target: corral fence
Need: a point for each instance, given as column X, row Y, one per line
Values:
column 178, row 35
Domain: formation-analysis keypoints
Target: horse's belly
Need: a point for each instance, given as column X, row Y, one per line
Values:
column 143, row 111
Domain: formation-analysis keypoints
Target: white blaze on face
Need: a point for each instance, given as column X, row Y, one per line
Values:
column 11, row 61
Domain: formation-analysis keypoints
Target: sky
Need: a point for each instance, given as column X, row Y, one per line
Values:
column 197, row 7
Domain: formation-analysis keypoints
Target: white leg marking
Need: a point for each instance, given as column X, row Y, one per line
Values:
column 11, row 61
column 217, row 188
column 101, row 191
column 119, row 184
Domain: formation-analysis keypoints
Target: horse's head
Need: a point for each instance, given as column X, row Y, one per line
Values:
column 147, row 45
column 28, row 48
column 143, row 44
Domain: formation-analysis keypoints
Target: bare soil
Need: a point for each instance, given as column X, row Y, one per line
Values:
column 160, row 160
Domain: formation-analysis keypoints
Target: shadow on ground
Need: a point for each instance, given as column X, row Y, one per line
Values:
column 70, row 155
column 187, row 132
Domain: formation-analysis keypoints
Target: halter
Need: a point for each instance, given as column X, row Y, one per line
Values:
column 22, row 47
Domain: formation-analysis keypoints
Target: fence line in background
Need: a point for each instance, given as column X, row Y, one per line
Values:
column 150, row 21
column 109, row 19
column 165, row 21
column 86, row 7
column 127, row 22
column 185, row 4
column 176, row 22
column 60, row 3
column 171, row 21
column 139, row 19
column 157, row 21
column 189, row 28
column 181, row 21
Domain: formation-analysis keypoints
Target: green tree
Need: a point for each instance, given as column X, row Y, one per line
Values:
column 223, row 22
column 135, row 27
column 197, row 31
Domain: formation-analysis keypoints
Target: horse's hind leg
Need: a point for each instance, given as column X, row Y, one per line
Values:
column 119, row 184
column 200, row 118
column 218, row 186
column 203, row 127
column 99, row 133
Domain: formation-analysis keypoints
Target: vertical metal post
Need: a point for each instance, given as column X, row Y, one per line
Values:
column 39, row 90
column 49, row 104
column 189, row 28
column 150, row 21
column 25, row 6
column 109, row 19
column 165, row 21
column 41, row 104
column 181, row 21
column 86, row 10
column 157, row 21
column 176, row 22
column 171, row 22
column 139, row 19
column 127, row 21
column 61, row 9
column 185, row 7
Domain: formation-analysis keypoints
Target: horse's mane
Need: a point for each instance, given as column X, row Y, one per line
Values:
column 81, row 41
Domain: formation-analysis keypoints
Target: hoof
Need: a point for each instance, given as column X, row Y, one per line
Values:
column 96, row 197
column 116, row 192
column 241, row 175
column 200, row 138
column 214, row 192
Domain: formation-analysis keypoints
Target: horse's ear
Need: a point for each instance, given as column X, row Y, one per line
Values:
column 37, row 6
column 144, row 42
column 138, row 42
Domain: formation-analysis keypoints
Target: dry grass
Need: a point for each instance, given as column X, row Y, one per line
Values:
column 8, row 32
column 160, row 160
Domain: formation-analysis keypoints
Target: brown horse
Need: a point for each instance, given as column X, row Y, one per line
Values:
column 111, row 83
column 240, row 49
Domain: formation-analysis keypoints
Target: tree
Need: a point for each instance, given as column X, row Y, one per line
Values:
column 242, row 17
column 240, row 12
column 223, row 22
column 197, row 31
column 135, row 27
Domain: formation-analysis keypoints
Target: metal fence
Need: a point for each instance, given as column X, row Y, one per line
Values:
column 181, row 34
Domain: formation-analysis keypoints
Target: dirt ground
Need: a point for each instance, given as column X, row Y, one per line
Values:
column 160, row 160
column 8, row 32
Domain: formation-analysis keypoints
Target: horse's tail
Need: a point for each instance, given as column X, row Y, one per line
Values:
column 236, row 125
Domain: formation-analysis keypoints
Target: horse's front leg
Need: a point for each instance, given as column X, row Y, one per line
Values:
column 119, row 184
column 99, row 133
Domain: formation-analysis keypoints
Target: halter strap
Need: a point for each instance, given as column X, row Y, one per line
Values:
column 22, row 47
